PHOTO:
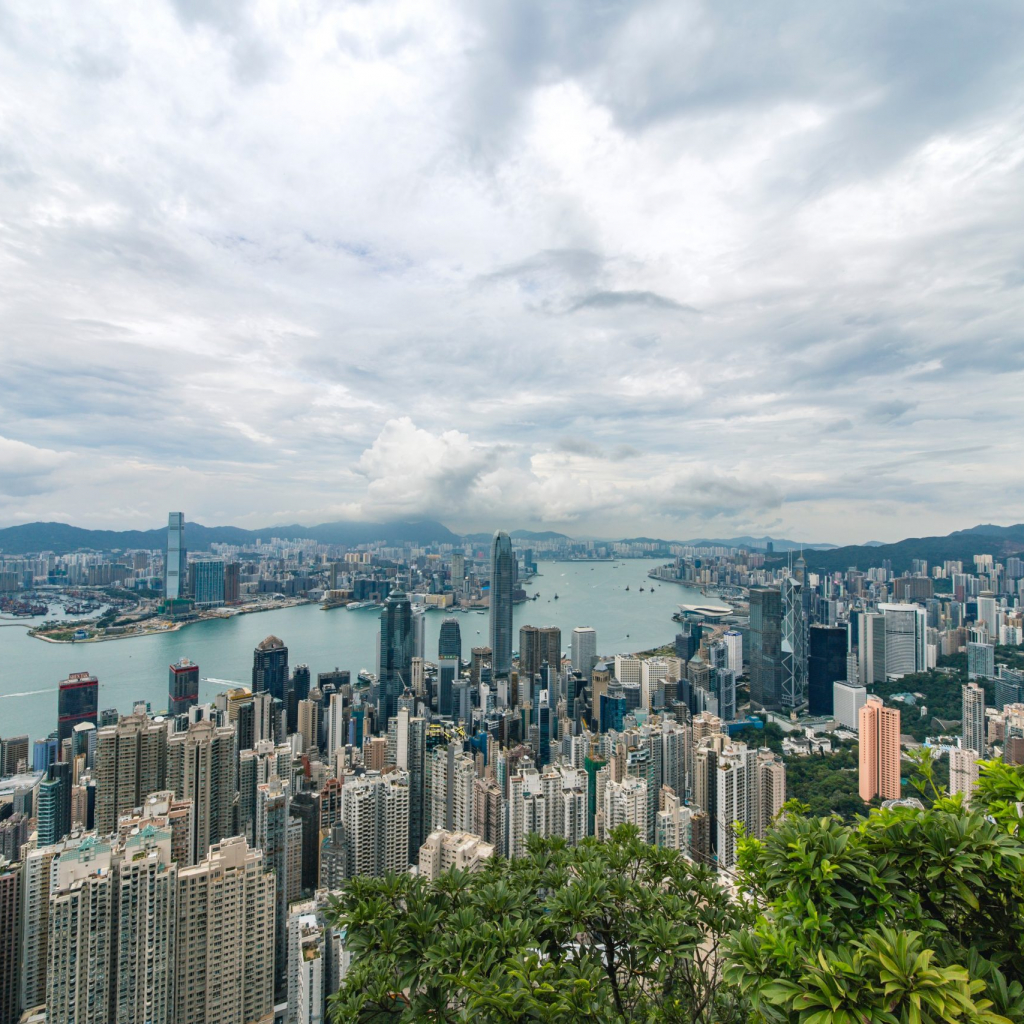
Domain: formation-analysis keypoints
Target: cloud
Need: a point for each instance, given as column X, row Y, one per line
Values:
column 624, row 267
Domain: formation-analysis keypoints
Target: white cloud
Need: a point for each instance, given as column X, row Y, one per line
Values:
column 439, row 258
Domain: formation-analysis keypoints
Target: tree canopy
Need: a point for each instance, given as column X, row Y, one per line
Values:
column 909, row 915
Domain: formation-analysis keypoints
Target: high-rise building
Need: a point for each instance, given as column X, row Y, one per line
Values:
column 905, row 639
column 766, row 646
column 583, row 650
column 624, row 803
column 793, row 644
column 458, row 569
column 871, row 647
column 176, row 562
column 224, row 970
column 981, row 660
column 988, row 614
column 449, row 639
column 847, row 700
column 539, row 645
column 270, row 667
column 963, row 771
column 443, row 850
column 77, row 701
column 973, row 731
column 272, row 819
column 14, row 755
column 733, row 641
column 207, row 577
column 733, row 789
column 375, row 823
column 232, row 583
column 826, row 664
column 502, row 573
column 396, row 652
column 10, row 935
column 182, row 686
column 53, row 816
column 879, row 739
column 201, row 767
column 130, row 763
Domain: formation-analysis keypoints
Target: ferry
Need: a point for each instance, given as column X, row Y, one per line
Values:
column 356, row 605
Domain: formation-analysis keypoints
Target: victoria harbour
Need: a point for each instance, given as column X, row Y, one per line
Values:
column 135, row 669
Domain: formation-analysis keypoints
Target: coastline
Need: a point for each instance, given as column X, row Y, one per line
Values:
column 170, row 627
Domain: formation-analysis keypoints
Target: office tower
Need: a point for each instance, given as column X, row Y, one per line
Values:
column 176, row 562
column 847, row 700
column 502, row 572
column 232, row 584
column 973, row 730
column 77, row 700
column 724, row 687
column 272, row 816
column 182, row 687
column 733, row 640
column 583, row 650
column 201, row 768
column 44, row 751
column 396, row 652
column 53, row 817
column 296, row 689
column 224, row 970
column 416, row 765
column 793, row 645
column 458, row 569
column 443, row 850
column 375, row 823
column 826, row 664
column 963, row 772
column 207, row 583
column 766, row 646
column 871, row 647
column 270, row 667
column 879, row 738
column 10, row 933
column 131, row 759
column 988, row 614
column 905, row 634
column 419, row 634
column 981, row 661
column 449, row 639
column 539, row 645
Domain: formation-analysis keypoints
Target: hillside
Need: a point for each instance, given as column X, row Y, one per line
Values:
column 998, row 541
column 60, row 537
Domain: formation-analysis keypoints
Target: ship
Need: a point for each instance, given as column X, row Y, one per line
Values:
column 556, row 597
column 627, row 586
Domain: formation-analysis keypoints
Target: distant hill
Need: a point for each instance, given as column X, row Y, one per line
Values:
column 60, row 537
column 538, row 535
column 758, row 543
column 961, row 545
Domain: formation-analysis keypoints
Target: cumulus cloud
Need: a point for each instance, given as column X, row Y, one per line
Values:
column 627, row 267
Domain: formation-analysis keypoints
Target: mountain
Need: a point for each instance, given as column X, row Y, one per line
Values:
column 758, row 543
column 962, row 545
column 60, row 537
column 538, row 535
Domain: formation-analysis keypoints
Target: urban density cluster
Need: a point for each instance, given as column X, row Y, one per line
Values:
column 176, row 864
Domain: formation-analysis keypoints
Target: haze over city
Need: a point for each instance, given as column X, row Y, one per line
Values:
column 617, row 270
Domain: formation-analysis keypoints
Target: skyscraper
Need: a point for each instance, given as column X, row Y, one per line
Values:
column 182, row 686
column 583, row 650
column 176, row 562
column 10, row 934
column 208, row 583
column 272, row 818
column 270, row 668
column 879, row 738
column 826, row 665
column 77, row 701
column 131, row 760
column 396, row 651
column 973, row 725
column 905, row 633
column 537, row 645
column 793, row 644
column 53, row 818
column 375, row 820
column 502, row 572
column 201, row 767
column 449, row 639
column 766, row 646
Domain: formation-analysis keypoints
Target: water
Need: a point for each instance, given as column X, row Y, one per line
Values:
column 136, row 668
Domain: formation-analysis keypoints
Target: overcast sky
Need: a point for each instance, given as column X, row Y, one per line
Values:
column 611, row 268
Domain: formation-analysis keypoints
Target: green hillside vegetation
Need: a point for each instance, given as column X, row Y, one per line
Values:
column 907, row 916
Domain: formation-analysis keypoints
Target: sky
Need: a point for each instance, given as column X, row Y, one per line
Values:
column 663, row 268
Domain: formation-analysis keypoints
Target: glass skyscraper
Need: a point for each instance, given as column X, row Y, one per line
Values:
column 208, row 583
column 396, row 647
column 175, row 564
column 502, row 574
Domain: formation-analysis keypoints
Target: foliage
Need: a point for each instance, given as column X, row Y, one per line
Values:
column 910, row 915
column 609, row 931
column 770, row 736
column 826, row 783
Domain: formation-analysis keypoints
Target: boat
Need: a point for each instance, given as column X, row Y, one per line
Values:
column 555, row 597
column 641, row 590
column 627, row 586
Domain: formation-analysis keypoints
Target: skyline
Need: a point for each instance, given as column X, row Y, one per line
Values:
column 650, row 270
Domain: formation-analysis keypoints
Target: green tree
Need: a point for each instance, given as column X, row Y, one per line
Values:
column 614, row 931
